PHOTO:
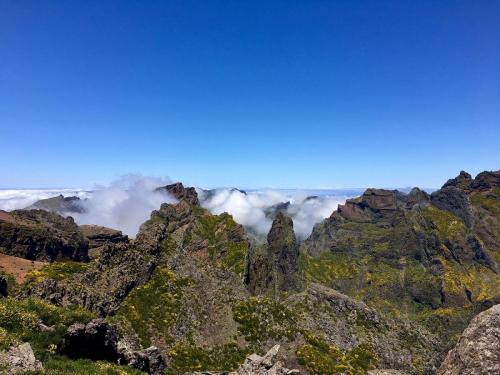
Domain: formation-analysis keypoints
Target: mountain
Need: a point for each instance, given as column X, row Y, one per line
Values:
column 389, row 281
column 60, row 204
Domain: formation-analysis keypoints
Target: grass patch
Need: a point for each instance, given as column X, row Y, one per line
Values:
column 260, row 319
column 320, row 358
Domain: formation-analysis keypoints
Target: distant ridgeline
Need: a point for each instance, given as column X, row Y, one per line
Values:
column 388, row 281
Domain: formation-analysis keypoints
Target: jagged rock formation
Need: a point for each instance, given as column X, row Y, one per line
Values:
column 19, row 359
column 274, row 267
column 61, row 205
column 41, row 235
column 99, row 236
column 478, row 350
column 180, row 192
column 105, row 282
column 272, row 211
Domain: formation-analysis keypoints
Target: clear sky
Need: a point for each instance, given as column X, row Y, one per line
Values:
column 249, row 93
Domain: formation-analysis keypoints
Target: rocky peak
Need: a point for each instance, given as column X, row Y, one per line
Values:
column 181, row 193
column 379, row 199
column 416, row 197
column 462, row 181
column 281, row 238
column 275, row 266
column 486, row 180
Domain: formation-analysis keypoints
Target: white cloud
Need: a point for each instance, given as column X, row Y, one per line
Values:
column 125, row 204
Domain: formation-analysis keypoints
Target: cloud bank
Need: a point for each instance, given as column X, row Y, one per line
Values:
column 254, row 209
column 125, row 204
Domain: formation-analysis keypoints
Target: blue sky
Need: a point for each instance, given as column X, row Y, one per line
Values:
column 248, row 93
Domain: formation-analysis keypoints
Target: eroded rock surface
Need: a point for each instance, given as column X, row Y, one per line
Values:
column 478, row 350
column 20, row 359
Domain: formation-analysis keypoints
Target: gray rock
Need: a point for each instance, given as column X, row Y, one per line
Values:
column 20, row 359
column 478, row 350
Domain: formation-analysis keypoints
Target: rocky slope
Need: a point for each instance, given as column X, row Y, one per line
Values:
column 389, row 281
column 432, row 259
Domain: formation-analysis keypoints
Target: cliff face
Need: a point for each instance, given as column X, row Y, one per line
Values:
column 41, row 235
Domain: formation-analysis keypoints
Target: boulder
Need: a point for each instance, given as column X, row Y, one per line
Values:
column 478, row 350
column 99, row 340
column 20, row 359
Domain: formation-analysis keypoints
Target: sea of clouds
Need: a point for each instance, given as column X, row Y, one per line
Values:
column 127, row 202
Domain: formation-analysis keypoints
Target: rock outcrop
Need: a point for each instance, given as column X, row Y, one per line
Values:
column 41, row 235
column 99, row 236
column 462, row 181
column 98, row 340
column 478, row 350
column 20, row 359
column 274, row 267
column 180, row 192
column 256, row 365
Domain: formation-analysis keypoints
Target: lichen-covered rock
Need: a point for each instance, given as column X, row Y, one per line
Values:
column 41, row 235
column 20, row 359
column 478, row 350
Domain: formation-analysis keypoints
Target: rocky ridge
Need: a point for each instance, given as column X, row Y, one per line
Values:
column 385, row 282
